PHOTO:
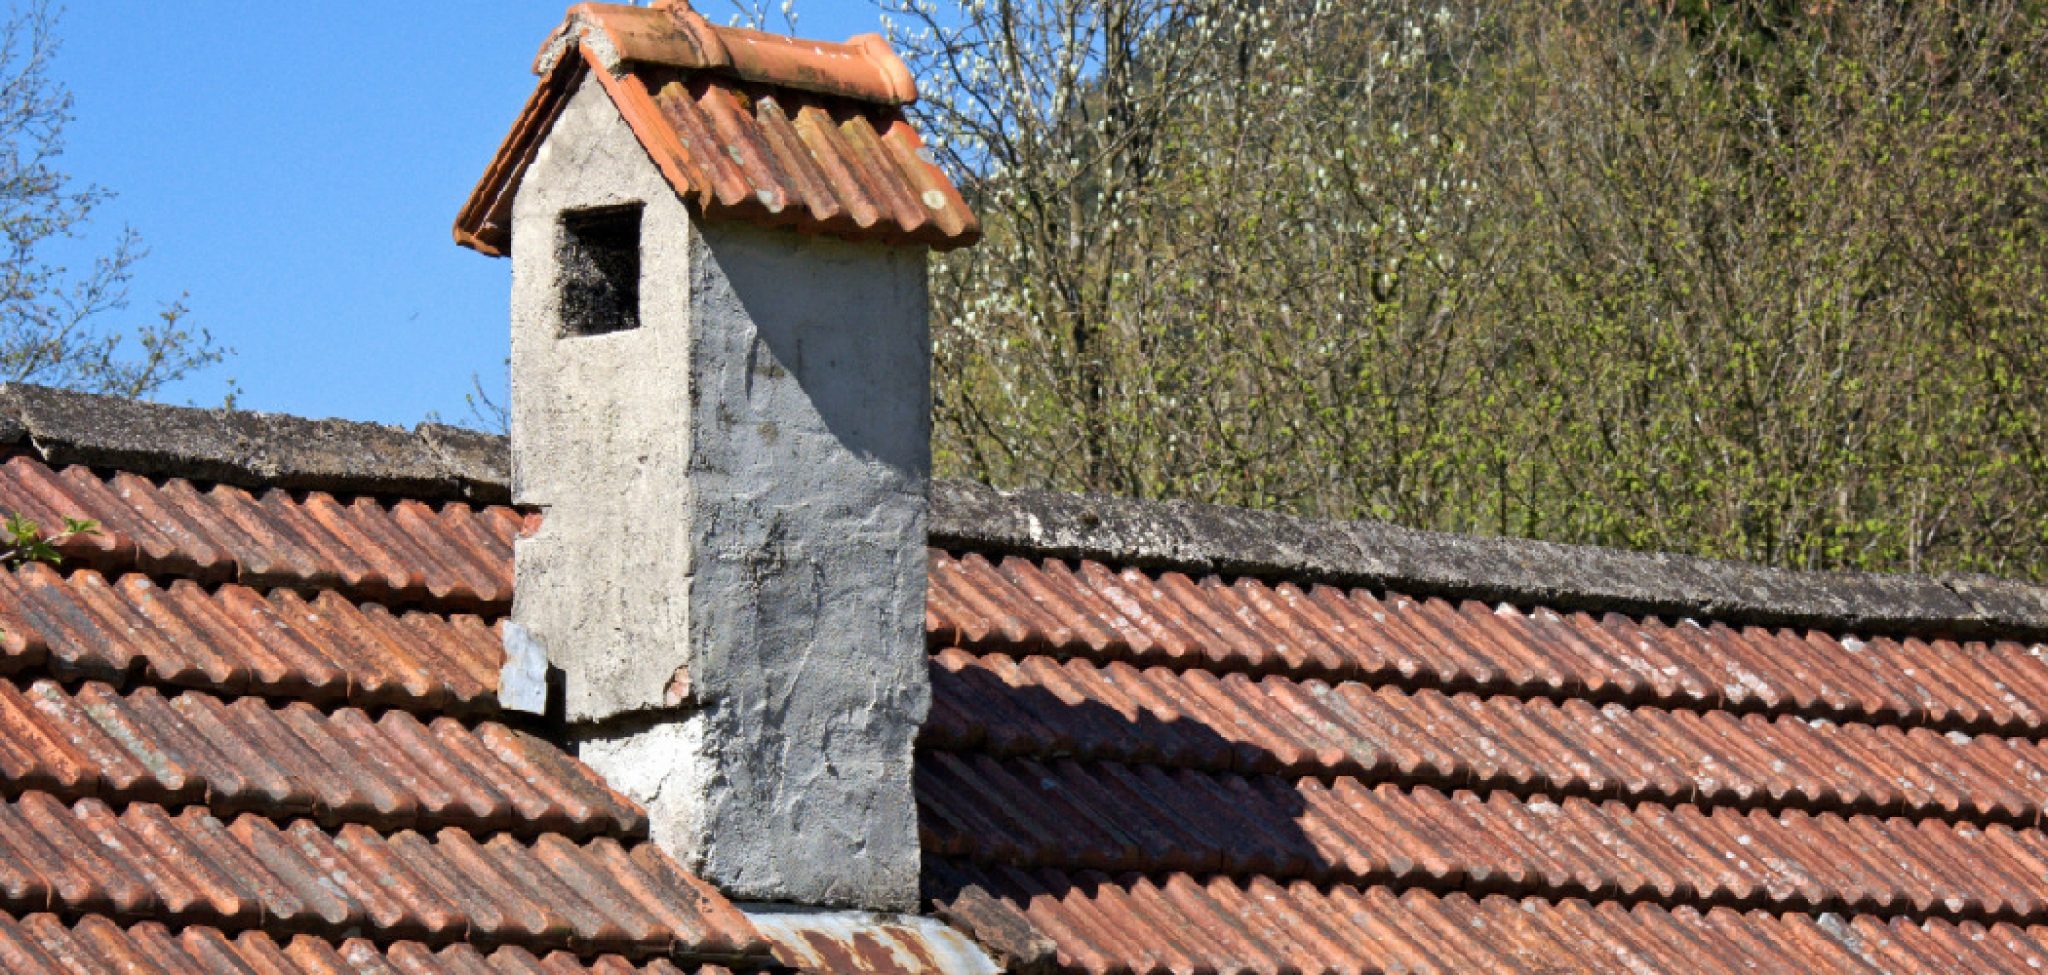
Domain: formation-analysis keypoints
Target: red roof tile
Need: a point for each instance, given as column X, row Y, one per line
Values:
column 43, row 944
column 220, row 748
column 1173, row 773
column 1098, row 816
column 1255, row 627
column 745, row 125
column 1116, row 712
column 191, row 867
column 1114, row 926
column 232, row 738
column 325, row 649
column 451, row 556
column 337, row 767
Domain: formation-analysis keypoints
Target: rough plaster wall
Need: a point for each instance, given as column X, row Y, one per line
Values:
column 599, row 428
column 812, row 449
column 731, row 571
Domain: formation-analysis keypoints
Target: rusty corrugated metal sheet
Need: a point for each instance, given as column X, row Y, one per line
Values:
column 344, row 766
column 191, row 867
column 451, row 556
column 1075, row 815
column 325, row 649
column 43, row 944
column 803, row 135
column 1108, row 926
column 859, row 943
column 1114, row 711
column 1172, row 620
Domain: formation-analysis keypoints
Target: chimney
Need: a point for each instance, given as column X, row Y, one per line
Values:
column 721, row 405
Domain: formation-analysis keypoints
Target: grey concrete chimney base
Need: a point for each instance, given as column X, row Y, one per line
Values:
column 730, row 576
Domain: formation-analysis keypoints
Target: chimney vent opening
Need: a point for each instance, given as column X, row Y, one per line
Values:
column 600, row 270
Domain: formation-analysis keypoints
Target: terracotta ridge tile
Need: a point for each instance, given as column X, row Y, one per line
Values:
column 671, row 34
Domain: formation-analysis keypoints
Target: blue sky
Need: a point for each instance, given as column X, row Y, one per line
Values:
column 296, row 168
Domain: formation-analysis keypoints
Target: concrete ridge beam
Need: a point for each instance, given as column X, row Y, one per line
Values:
column 435, row 462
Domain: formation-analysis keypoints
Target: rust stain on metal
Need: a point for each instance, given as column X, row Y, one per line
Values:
column 858, row 943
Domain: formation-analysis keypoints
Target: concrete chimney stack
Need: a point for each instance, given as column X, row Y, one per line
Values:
column 721, row 405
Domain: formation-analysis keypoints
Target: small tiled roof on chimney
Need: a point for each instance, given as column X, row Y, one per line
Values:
column 745, row 125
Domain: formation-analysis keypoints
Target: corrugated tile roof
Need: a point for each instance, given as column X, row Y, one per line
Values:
column 1255, row 627
column 192, row 867
column 395, row 551
column 344, row 766
column 1118, row 818
column 1121, row 925
column 1004, row 706
column 221, row 748
column 1168, row 772
column 44, row 944
column 325, row 648
column 745, row 125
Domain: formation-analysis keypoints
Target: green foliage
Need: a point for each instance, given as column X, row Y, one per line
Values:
column 1759, row 280
column 25, row 541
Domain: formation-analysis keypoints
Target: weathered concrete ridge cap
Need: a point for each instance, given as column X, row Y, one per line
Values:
column 255, row 450
column 744, row 125
column 1208, row 539
column 864, row 68
column 440, row 463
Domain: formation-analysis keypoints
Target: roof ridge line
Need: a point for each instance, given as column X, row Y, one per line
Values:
column 1226, row 541
column 431, row 462
column 436, row 462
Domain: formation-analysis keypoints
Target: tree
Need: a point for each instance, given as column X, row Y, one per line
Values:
column 58, row 326
column 1752, row 279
